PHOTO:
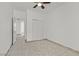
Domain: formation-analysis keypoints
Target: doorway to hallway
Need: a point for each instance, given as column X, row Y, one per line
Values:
column 18, row 29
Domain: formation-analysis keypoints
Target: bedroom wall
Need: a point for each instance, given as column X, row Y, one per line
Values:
column 5, row 27
column 62, row 25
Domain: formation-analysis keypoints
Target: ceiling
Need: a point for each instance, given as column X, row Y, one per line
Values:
column 29, row 5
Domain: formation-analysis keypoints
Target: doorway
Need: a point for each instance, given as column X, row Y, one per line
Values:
column 18, row 29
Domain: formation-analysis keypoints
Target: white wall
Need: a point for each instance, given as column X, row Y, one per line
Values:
column 63, row 25
column 33, row 17
column 5, row 27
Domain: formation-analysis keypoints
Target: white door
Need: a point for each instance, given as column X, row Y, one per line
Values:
column 36, row 29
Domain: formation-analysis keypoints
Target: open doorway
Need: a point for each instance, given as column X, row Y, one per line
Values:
column 19, row 25
column 18, row 29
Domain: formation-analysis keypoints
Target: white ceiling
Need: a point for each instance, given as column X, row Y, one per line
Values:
column 29, row 5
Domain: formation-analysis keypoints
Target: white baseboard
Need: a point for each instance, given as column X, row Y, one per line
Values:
column 63, row 45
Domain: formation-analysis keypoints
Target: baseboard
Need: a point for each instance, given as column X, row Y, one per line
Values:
column 34, row 40
column 63, row 45
column 7, row 52
column 4, row 53
column 56, row 43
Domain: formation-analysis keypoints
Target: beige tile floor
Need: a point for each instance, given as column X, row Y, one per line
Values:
column 39, row 48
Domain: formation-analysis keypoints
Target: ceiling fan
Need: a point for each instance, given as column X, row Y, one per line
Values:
column 41, row 4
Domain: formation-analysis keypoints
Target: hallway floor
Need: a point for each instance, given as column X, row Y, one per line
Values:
column 40, row 48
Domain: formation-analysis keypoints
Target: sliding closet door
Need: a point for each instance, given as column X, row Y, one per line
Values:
column 36, row 29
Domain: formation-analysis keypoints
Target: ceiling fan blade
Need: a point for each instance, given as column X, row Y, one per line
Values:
column 46, row 2
column 42, row 7
column 35, row 6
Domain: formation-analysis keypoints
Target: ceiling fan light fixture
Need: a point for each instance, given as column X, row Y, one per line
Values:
column 39, row 4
